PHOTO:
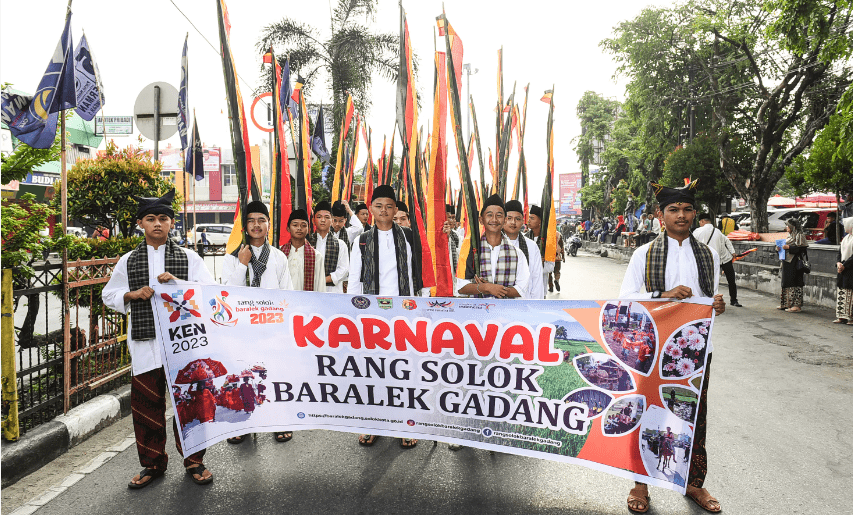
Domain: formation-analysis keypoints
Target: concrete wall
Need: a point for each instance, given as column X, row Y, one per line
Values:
column 760, row 270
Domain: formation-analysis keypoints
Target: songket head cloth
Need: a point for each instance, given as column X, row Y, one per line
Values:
column 155, row 205
column 666, row 196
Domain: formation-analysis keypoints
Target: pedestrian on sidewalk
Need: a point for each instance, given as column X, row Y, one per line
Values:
column 157, row 259
column 678, row 266
column 259, row 265
column 793, row 267
column 844, row 305
column 714, row 238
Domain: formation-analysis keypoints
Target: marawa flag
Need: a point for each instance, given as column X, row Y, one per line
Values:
column 437, row 184
column 547, row 96
column 504, row 151
column 407, row 119
column 471, row 245
column 304, row 194
column 369, row 179
column 280, row 196
column 239, row 130
column 318, row 140
column 337, row 185
column 499, row 108
column 183, row 109
column 33, row 119
column 353, row 156
column 89, row 90
column 476, row 138
column 195, row 155
column 548, row 244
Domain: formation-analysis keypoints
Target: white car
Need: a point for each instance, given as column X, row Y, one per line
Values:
column 217, row 234
column 775, row 219
column 75, row 231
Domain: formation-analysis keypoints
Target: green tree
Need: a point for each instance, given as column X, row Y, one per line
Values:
column 350, row 55
column 101, row 190
column 769, row 74
column 597, row 115
column 699, row 160
column 823, row 170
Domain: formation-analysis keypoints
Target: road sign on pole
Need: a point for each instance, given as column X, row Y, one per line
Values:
column 155, row 112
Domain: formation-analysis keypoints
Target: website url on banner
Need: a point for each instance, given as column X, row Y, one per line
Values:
column 352, row 417
column 529, row 438
column 454, row 428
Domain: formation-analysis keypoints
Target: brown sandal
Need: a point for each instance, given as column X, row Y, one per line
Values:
column 840, row 321
column 636, row 496
column 408, row 443
column 367, row 440
column 705, row 500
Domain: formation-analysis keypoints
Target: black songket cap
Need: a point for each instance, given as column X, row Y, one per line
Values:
column 383, row 191
column 297, row 214
column 536, row 210
column 494, row 200
column 338, row 209
column 155, row 205
column 514, row 205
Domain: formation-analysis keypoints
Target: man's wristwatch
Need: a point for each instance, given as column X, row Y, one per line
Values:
column 656, row 294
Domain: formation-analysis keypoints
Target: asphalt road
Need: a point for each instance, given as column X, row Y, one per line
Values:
column 778, row 443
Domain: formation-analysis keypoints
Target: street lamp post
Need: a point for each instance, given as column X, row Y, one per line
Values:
column 466, row 69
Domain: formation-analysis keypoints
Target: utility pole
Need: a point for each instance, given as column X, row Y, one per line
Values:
column 466, row 69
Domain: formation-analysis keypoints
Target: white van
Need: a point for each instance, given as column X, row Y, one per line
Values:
column 217, row 234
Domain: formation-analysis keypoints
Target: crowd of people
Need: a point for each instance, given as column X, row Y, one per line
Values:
column 337, row 250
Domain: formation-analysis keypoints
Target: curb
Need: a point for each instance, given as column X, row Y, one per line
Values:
column 48, row 441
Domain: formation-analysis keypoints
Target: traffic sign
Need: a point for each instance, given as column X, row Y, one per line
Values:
column 157, row 100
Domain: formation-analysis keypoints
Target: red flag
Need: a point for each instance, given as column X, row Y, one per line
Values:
column 436, row 212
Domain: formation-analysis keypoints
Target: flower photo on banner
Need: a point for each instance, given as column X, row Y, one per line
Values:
column 684, row 351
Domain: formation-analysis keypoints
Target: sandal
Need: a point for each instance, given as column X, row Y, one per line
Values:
column 641, row 500
column 237, row 439
column 367, row 440
column 794, row 310
column 840, row 321
column 705, row 500
column 199, row 469
column 408, row 443
column 146, row 472
column 283, row 436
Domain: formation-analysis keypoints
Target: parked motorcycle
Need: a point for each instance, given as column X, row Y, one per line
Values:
column 575, row 243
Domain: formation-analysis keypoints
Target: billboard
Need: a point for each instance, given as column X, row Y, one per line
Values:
column 570, row 199
column 172, row 161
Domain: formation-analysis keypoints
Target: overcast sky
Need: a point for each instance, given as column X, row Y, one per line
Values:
column 137, row 43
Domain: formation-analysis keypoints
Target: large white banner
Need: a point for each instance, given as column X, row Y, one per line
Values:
column 612, row 385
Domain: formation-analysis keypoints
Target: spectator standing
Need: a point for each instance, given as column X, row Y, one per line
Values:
column 844, row 305
column 713, row 237
column 727, row 224
column 793, row 273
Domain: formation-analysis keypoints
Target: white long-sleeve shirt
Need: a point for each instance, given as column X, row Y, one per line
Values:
column 145, row 354
column 341, row 269
column 522, row 272
column 276, row 276
column 388, row 268
column 354, row 230
column 681, row 270
column 536, row 286
column 714, row 238
column 296, row 268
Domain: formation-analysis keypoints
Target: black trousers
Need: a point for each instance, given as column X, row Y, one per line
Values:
column 729, row 270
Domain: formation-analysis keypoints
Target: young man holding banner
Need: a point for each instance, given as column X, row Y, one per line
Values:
column 512, row 228
column 335, row 254
column 503, row 273
column 677, row 266
column 382, row 261
column 157, row 259
column 258, row 265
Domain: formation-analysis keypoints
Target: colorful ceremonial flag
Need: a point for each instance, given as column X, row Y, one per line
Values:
column 437, row 184
column 337, row 185
column 304, row 193
column 352, row 158
column 183, row 106
column 318, row 140
column 280, row 195
column 194, row 163
column 548, row 232
column 88, row 89
column 476, row 138
column 33, row 119
column 471, row 245
column 239, row 129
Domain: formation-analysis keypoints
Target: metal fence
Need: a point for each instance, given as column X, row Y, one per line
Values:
column 65, row 357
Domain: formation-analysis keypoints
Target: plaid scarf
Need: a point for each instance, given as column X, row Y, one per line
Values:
column 453, row 238
column 368, row 243
column 343, row 236
column 507, row 264
column 258, row 264
column 656, row 264
column 141, row 314
column 333, row 250
column 309, row 259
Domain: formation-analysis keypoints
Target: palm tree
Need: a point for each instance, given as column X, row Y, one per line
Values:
column 350, row 55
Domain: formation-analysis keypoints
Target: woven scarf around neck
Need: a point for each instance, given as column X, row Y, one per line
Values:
column 507, row 267
column 343, row 236
column 333, row 249
column 369, row 245
column 257, row 264
column 309, row 258
column 141, row 314
column 656, row 265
